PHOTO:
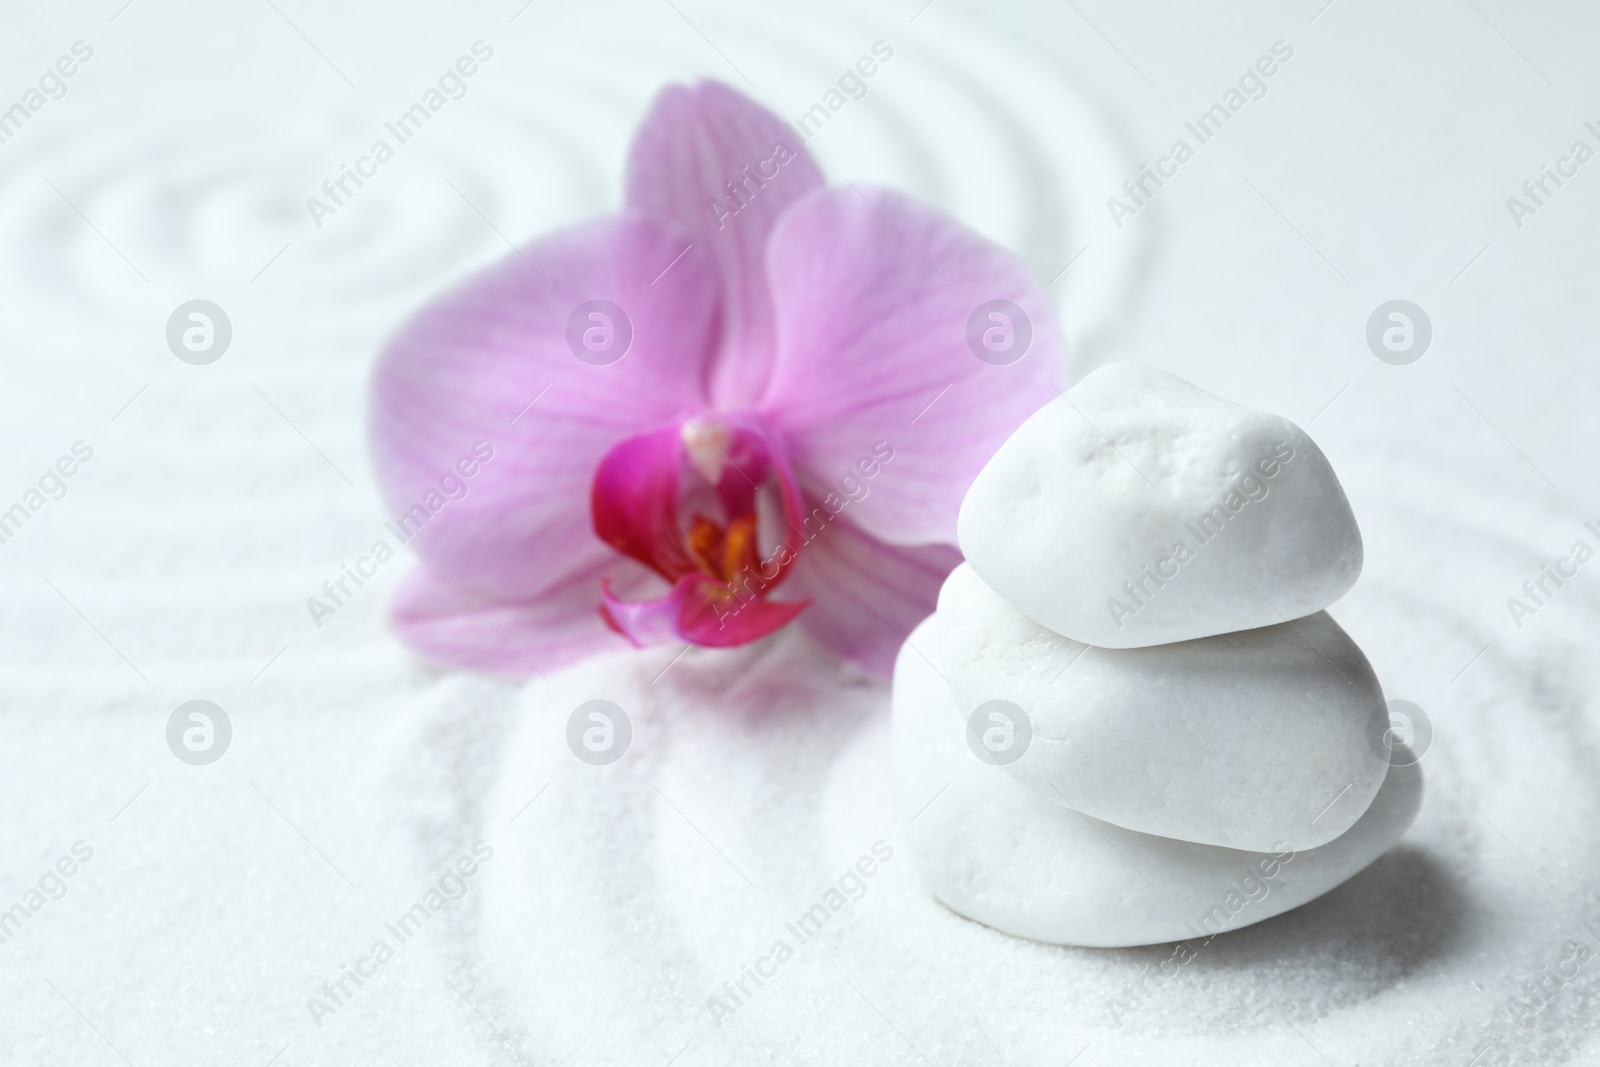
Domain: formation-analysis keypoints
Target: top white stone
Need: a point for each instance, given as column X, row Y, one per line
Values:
column 1137, row 510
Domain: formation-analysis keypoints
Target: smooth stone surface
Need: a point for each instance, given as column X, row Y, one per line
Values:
column 996, row 852
column 1137, row 510
column 1246, row 740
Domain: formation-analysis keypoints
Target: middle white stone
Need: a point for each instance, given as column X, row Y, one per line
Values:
column 1256, row 740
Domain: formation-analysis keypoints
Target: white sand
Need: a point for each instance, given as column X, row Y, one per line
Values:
column 219, row 899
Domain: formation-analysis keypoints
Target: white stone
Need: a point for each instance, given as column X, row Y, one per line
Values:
column 1246, row 740
column 1137, row 510
column 1000, row 854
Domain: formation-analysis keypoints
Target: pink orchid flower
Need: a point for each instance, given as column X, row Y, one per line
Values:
column 749, row 399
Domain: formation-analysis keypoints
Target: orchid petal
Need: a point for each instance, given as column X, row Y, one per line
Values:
column 874, row 296
column 695, row 141
column 467, row 627
column 700, row 610
column 490, row 364
column 866, row 596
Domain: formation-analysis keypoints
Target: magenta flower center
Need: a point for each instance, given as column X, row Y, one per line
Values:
column 695, row 503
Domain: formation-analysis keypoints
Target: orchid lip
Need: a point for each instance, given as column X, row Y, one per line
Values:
column 720, row 577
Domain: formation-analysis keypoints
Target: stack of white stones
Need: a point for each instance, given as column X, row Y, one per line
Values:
column 1130, row 721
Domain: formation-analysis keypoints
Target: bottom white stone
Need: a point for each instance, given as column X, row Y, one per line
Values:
column 995, row 852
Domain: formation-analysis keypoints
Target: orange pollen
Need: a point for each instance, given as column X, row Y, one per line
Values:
column 725, row 553
column 739, row 548
column 705, row 544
